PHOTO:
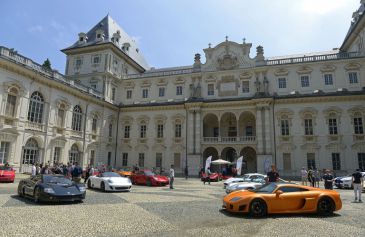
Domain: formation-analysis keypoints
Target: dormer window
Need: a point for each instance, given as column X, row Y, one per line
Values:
column 82, row 38
column 99, row 35
column 125, row 47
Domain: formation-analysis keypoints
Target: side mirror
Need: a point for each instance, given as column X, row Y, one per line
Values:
column 278, row 193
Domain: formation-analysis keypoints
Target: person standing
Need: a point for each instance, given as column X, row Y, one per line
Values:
column 311, row 179
column 76, row 173
column 328, row 180
column 34, row 170
column 273, row 175
column 304, row 174
column 317, row 177
column 172, row 176
column 87, row 173
column 357, row 182
column 207, row 178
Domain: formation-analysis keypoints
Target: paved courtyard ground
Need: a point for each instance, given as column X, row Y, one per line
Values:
column 192, row 209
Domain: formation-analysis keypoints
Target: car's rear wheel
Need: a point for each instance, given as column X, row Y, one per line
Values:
column 89, row 184
column 37, row 194
column 102, row 186
column 258, row 208
column 325, row 206
column 20, row 192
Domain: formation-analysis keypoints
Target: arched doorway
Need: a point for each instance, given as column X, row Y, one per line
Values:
column 210, row 151
column 229, row 154
column 249, row 163
column 74, row 155
column 31, row 152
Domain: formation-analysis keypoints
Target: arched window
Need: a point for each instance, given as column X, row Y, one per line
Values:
column 74, row 154
column 11, row 102
column 31, row 152
column 35, row 113
column 76, row 118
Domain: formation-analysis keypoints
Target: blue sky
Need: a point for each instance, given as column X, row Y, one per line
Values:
column 170, row 32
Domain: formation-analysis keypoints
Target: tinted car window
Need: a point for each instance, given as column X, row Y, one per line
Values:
column 267, row 188
column 56, row 180
column 6, row 168
column 292, row 189
column 110, row 174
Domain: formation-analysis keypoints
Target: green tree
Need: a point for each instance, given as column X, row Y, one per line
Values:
column 47, row 64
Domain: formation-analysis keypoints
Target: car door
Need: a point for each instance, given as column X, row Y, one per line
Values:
column 30, row 184
column 291, row 200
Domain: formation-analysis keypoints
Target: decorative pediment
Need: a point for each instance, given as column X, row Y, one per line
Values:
column 129, row 84
column 159, row 147
column 95, row 113
column 143, row 119
column 146, row 83
column 179, row 80
column 286, row 147
column 8, row 135
column 160, row 118
column 352, row 66
column 281, row 72
column 328, row 68
column 356, row 109
column 63, row 103
column 359, row 146
column 14, row 87
column 162, row 82
column 227, row 62
column 308, row 111
column 246, row 75
column 287, row 112
column 177, row 147
column 178, row 117
column 126, row 147
column 211, row 78
column 127, row 120
column 310, row 147
column 304, row 70
column 59, row 141
column 141, row 147
column 335, row 147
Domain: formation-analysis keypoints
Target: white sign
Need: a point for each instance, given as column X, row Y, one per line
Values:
column 239, row 165
column 228, row 86
column 207, row 163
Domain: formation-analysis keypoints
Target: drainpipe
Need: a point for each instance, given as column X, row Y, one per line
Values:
column 273, row 122
column 84, row 137
column 45, row 134
column 186, row 137
column 116, row 141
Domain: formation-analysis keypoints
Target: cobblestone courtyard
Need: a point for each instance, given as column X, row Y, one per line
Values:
column 191, row 209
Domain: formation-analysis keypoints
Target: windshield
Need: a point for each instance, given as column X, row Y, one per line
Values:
column 149, row 173
column 267, row 188
column 110, row 174
column 6, row 168
column 258, row 180
column 56, row 180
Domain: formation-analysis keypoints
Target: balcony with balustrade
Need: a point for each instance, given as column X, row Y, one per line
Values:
column 230, row 140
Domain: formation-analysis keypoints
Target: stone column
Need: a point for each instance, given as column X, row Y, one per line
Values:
column 259, row 132
column 268, row 131
column 190, row 132
column 197, row 132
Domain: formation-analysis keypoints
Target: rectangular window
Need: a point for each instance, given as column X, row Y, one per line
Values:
column 177, row 160
column 109, row 158
column 177, row 130
column 282, row 83
column 93, row 86
column 336, row 162
column 332, row 126
column 249, row 131
column 286, row 161
column 358, row 127
column 78, row 62
column 311, row 162
column 245, row 87
column 60, row 118
column 353, row 77
column 113, row 93
column 328, row 79
column 4, row 152
column 145, row 93
column 161, row 91
column 160, row 131
column 308, row 127
column 129, row 94
column 215, row 132
column 304, row 80
column 93, row 126
column 143, row 129
column 10, row 105
column 96, row 60
column 285, row 127
column 210, row 89
column 126, row 131
column 110, row 133
column 361, row 160
column 56, row 155
column 158, row 160
column 92, row 157
column 141, row 159
column 125, row 159
column 179, row 90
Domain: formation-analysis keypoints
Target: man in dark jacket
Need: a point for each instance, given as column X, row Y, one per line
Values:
column 76, row 173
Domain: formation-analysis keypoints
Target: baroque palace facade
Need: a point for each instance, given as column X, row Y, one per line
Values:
column 111, row 108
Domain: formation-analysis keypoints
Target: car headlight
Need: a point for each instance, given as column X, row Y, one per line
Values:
column 110, row 181
column 48, row 190
column 82, row 189
column 235, row 199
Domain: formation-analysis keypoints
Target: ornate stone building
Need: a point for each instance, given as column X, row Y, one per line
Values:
column 110, row 107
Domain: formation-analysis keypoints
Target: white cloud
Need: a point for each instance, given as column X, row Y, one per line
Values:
column 35, row 29
column 321, row 7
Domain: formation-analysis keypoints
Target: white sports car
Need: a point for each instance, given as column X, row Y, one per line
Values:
column 250, row 185
column 243, row 178
column 109, row 181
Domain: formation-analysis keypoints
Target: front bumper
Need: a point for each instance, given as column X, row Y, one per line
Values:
column 235, row 207
column 7, row 178
column 119, row 187
column 47, row 197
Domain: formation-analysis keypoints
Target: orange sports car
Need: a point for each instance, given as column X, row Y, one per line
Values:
column 124, row 172
column 283, row 198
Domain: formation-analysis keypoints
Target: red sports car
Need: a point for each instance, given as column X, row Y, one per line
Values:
column 147, row 177
column 214, row 177
column 7, row 174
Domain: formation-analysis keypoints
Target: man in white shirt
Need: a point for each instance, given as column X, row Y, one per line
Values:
column 172, row 176
column 304, row 174
column 34, row 170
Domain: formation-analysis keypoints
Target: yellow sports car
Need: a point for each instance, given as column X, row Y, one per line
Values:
column 283, row 198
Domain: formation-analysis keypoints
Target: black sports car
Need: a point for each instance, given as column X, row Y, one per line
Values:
column 54, row 188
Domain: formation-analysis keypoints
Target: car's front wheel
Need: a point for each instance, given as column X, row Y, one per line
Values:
column 325, row 206
column 89, row 184
column 258, row 208
column 102, row 186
